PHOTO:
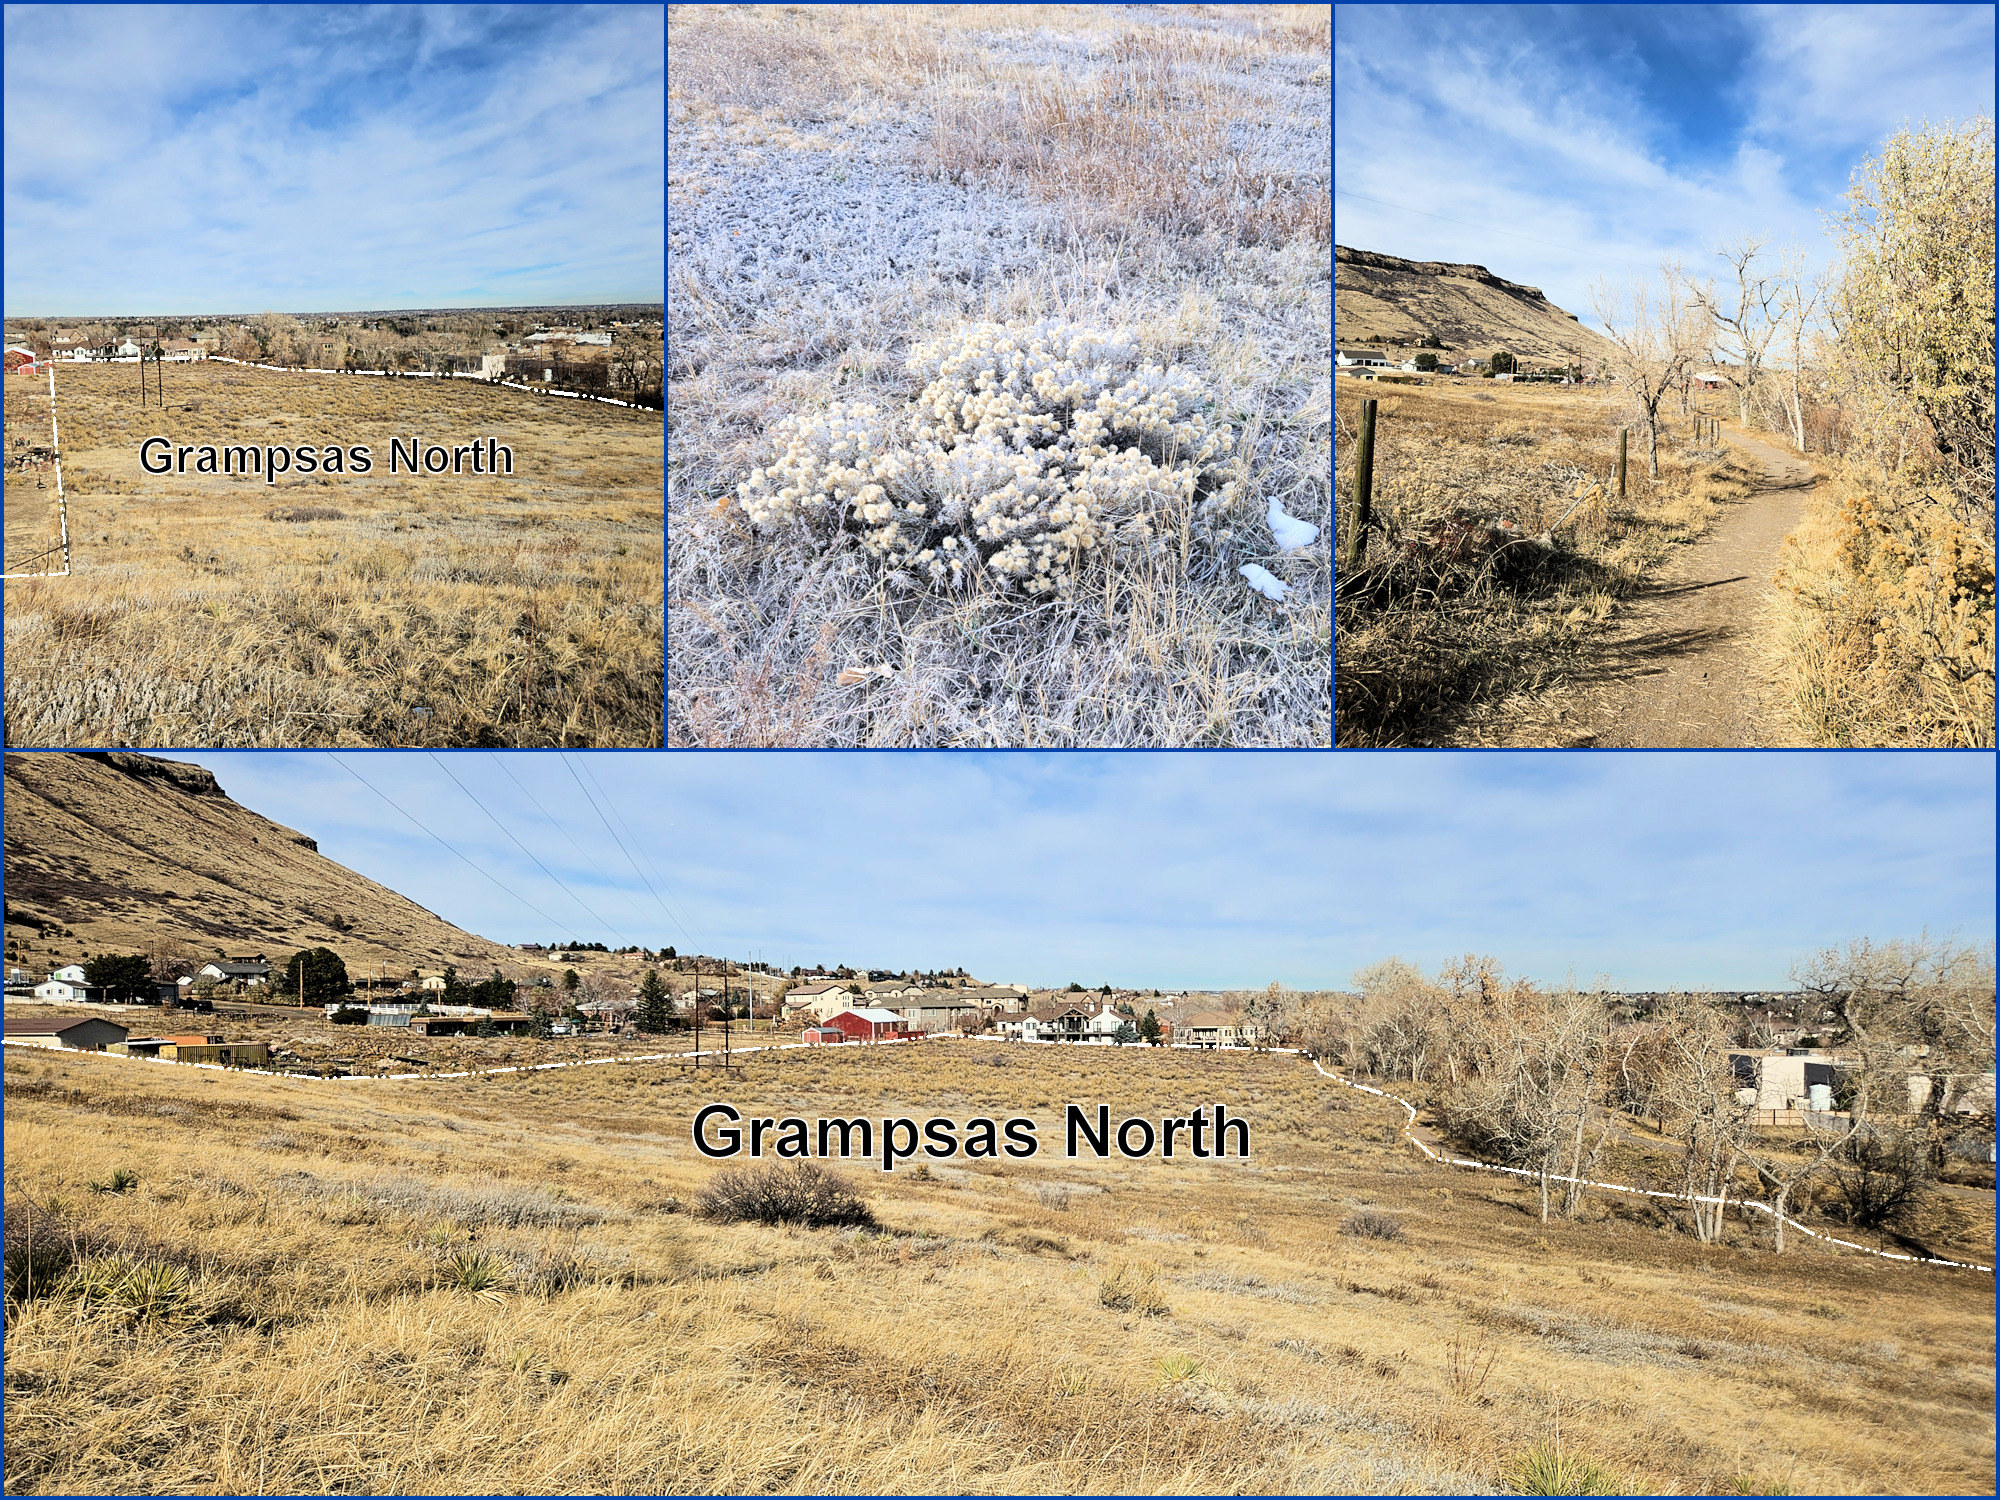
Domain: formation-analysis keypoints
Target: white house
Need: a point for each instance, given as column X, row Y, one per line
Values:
column 64, row 989
column 124, row 349
column 1359, row 357
column 73, row 973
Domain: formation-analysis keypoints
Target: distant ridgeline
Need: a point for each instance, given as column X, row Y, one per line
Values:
column 1387, row 302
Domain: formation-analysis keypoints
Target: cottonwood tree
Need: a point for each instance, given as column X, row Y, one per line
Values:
column 1911, row 1009
column 1530, row 1084
column 1651, row 347
column 1744, row 326
column 1704, row 1114
column 1799, row 301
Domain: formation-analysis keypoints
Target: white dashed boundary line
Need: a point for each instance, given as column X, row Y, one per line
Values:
column 247, row 364
column 1409, row 1109
column 1614, row 1187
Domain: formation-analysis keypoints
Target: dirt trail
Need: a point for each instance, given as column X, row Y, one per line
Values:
column 1680, row 667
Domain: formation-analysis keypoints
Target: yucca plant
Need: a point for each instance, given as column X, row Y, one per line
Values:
column 1546, row 1470
column 123, row 1180
column 1176, row 1369
column 477, row 1272
column 142, row 1291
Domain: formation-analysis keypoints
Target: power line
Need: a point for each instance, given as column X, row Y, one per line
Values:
column 1484, row 228
column 525, row 849
column 560, row 827
column 660, row 900
column 412, row 817
column 627, row 853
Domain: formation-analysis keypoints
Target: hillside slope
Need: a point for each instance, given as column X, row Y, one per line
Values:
column 130, row 853
column 1385, row 301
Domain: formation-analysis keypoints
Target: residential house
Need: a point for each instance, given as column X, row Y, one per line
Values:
column 123, row 349
column 868, row 1024
column 73, row 973
column 610, row 1014
column 888, row 991
column 68, row 990
column 78, row 1033
column 182, row 350
column 1214, row 1029
column 1362, row 357
column 252, row 974
column 941, row 1010
column 822, row 1000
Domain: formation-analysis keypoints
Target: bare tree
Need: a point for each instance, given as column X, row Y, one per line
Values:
column 1799, row 299
column 1650, row 334
column 1703, row 1111
column 1747, row 327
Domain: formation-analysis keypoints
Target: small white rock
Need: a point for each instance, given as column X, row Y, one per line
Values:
column 1291, row 533
column 1265, row 582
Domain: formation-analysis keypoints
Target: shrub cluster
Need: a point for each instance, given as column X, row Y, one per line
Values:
column 1028, row 448
column 800, row 1192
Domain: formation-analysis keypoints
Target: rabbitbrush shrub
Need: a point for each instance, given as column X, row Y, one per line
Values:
column 1028, row 448
column 801, row 1192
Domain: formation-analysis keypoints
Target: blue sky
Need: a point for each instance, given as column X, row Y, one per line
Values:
column 1612, row 135
column 312, row 158
column 1205, row 870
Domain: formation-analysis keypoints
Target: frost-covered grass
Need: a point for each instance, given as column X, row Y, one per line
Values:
column 829, row 219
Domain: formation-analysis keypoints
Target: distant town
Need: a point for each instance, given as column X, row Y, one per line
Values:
column 607, row 350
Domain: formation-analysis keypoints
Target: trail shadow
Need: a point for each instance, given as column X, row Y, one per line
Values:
column 1644, row 655
column 1675, row 591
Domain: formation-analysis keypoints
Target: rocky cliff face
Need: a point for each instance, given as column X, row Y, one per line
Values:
column 1387, row 301
column 129, row 852
column 1394, row 263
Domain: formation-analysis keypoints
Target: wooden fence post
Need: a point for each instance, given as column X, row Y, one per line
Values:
column 1623, row 433
column 1364, row 486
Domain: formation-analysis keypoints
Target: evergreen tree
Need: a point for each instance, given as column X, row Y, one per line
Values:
column 121, row 977
column 653, row 1008
column 1126, row 1034
column 316, row 976
column 1149, row 1028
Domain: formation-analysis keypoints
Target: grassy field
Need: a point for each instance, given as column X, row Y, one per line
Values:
column 1448, row 622
column 224, row 611
column 844, row 186
column 317, row 1321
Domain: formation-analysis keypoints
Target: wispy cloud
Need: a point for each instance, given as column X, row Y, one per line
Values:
column 1174, row 869
column 1573, row 142
column 209, row 158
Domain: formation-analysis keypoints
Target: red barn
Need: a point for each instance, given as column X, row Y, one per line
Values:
column 825, row 1034
column 867, row 1023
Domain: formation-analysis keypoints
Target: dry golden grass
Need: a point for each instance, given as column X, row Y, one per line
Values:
column 1418, row 640
column 343, row 611
column 333, row 1337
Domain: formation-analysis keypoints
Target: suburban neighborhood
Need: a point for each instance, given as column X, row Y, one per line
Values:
column 574, row 995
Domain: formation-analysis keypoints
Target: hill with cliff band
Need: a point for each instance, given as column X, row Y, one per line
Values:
column 1386, row 302
column 128, row 853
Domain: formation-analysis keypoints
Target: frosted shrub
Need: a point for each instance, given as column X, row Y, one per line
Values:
column 1028, row 448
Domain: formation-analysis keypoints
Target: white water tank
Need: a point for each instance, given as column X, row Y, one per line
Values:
column 1819, row 1096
